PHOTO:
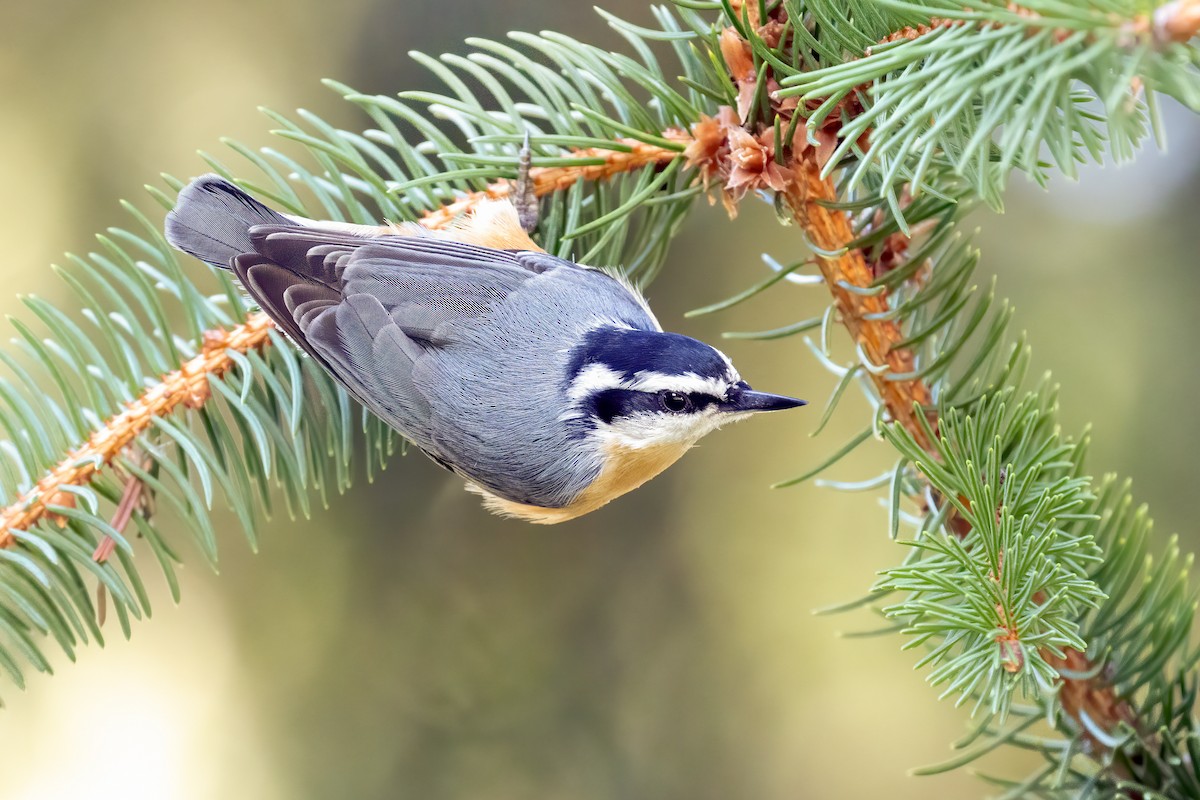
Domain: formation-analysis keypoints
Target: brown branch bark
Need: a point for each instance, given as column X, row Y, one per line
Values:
column 1171, row 23
column 830, row 230
column 1177, row 21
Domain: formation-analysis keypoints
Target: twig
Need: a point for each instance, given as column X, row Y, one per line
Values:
column 548, row 180
column 131, row 499
column 1176, row 22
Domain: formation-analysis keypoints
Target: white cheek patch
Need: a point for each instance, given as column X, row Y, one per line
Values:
column 648, row 430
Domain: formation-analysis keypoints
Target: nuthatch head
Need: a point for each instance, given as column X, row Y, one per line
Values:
column 549, row 386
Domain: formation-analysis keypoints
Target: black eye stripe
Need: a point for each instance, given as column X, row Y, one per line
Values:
column 609, row 404
column 612, row 403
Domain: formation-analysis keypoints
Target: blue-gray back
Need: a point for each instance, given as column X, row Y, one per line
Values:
column 462, row 349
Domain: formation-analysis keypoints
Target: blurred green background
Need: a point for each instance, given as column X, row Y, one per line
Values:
column 404, row 643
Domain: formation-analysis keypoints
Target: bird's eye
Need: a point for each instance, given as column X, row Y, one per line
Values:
column 674, row 402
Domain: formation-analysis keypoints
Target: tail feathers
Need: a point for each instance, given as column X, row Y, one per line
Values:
column 212, row 219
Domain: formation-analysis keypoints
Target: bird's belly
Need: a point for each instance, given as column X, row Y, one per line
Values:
column 626, row 469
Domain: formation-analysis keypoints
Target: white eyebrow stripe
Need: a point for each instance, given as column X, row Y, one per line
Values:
column 592, row 379
column 687, row 383
column 595, row 378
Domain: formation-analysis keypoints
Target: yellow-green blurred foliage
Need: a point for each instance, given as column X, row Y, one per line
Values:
column 405, row 644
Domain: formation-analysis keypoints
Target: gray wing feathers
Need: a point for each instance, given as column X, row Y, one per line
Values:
column 369, row 309
column 422, row 298
column 374, row 358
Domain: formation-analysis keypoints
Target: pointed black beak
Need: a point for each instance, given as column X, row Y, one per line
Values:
column 749, row 400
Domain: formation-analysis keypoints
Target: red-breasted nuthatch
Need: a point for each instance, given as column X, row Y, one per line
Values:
column 549, row 386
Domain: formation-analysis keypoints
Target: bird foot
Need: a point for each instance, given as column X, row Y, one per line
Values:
column 523, row 195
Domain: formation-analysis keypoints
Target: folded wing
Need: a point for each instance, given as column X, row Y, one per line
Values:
column 369, row 309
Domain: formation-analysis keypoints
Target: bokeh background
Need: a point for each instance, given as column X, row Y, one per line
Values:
column 405, row 644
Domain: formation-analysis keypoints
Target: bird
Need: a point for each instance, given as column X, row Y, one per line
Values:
column 548, row 386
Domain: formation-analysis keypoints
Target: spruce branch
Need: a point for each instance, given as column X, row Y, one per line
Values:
column 184, row 387
column 862, row 143
column 1174, row 22
column 1005, row 80
column 864, row 314
column 1086, row 694
column 864, row 310
column 873, row 126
